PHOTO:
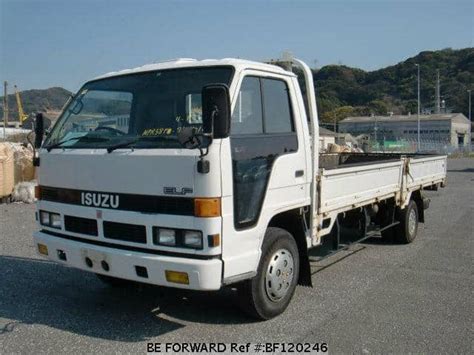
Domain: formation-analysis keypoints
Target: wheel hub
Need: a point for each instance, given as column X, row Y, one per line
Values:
column 279, row 276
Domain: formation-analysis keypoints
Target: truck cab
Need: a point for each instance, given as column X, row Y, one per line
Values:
column 146, row 202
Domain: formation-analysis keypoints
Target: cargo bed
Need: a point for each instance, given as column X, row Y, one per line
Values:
column 351, row 180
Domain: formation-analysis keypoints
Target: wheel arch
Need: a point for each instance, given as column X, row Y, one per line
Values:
column 292, row 222
column 418, row 198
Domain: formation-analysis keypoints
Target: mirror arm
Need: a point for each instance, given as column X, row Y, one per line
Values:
column 214, row 113
column 204, row 166
column 201, row 152
column 30, row 141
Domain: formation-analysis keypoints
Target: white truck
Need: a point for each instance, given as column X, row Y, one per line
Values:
column 202, row 174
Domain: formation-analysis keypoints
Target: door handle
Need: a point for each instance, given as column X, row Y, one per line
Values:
column 299, row 173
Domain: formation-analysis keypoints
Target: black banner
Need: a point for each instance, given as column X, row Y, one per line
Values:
column 119, row 201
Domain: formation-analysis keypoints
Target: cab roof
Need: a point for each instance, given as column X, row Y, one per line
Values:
column 238, row 64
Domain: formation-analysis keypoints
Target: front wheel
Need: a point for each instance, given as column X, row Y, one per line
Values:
column 270, row 291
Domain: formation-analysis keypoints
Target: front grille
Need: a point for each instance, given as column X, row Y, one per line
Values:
column 183, row 206
column 81, row 225
column 126, row 232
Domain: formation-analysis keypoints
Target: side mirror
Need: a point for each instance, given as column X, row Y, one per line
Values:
column 39, row 130
column 216, row 110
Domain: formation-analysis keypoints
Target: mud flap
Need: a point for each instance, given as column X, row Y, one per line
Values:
column 305, row 270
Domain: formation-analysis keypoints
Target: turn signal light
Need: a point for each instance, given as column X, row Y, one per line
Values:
column 214, row 240
column 207, row 207
column 177, row 277
column 42, row 249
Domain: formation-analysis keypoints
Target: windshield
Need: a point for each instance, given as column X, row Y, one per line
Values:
column 148, row 109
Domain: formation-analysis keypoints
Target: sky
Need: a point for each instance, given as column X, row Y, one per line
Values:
column 46, row 43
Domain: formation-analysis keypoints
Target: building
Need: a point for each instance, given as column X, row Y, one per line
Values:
column 326, row 137
column 451, row 129
column 472, row 134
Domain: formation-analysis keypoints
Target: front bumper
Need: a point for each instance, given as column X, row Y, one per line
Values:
column 202, row 274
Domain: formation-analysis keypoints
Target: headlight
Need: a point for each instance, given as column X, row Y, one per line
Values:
column 179, row 238
column 164, row 236
column 193, row 239
column 55, row 220
column 44, row 218
column 50, row 219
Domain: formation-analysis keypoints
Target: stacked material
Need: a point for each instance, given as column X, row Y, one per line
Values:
column 16, row 169
column 336, row 148
column 24, row 192
column 23, row 158
column 7, row 177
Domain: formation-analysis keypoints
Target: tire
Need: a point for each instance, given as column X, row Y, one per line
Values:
column 115, row 281
column 266, row 295
column 407, row 230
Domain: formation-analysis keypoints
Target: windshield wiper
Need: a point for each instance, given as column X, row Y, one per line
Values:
column 142, row 138
column 88, row 138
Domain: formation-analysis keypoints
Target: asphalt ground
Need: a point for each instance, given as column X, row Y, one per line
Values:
column 373, row 298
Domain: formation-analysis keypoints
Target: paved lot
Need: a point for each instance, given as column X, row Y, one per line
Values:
column 376, row 297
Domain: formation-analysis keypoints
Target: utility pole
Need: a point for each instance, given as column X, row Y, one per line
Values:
column 375, row 129
column 469, row 91
column 438, row 100
column 5, row 108
column 418, row 115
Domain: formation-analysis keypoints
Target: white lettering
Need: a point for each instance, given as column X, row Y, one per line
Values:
column 96, row 200
column 105, row 200
column 114, row 201
column 99, row 200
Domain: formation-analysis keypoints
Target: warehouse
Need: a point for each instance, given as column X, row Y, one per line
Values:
column 452, row 129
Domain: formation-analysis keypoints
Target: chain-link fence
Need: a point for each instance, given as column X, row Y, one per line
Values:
column 411, row 146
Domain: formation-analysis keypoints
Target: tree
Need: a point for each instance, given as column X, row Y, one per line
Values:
column 378, row 107
column 338, row 114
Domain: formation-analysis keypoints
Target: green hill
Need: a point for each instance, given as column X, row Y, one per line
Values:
column 51, row 99
column 343, row 91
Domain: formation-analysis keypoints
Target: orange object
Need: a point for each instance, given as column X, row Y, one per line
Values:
column 214, row 240
column 207, row 207
column 177, row 277
column 42, row 249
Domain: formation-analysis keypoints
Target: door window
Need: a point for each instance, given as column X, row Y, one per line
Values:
column 247, row 116
column 276, row 106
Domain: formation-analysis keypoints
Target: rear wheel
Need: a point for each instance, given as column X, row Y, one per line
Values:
column 270, row 291
column 407, row 230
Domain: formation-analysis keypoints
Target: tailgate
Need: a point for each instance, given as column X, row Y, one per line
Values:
column 426, row 171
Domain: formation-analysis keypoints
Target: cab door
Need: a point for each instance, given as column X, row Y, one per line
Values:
column 265, row 172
